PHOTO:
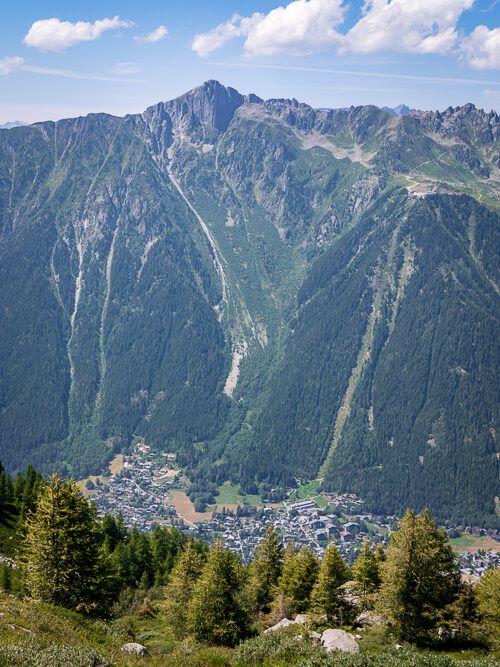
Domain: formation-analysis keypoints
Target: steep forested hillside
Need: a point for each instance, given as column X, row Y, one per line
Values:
column 274, row 292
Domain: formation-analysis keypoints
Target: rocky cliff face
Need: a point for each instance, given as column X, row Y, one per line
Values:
column 252, row 284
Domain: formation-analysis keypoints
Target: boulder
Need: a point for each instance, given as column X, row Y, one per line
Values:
column 301, row 619
column 133, row 647
column 339, row 640
column 368, row 617
column 315, row 636
column 284, row 623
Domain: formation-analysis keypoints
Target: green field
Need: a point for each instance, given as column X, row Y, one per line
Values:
column 229, row 494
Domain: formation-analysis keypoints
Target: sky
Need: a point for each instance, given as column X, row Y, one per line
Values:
column 62, row 59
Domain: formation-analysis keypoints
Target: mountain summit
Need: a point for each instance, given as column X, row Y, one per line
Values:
column 272, row 291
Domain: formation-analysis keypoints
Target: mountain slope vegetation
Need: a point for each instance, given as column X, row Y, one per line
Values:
column 271, row 291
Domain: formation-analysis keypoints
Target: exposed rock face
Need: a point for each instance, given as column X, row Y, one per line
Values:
column 211, row 104
column 339, row 640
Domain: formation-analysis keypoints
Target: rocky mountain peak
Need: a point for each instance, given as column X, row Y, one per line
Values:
column 210, row 104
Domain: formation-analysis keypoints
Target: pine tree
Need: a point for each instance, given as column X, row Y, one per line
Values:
column 419, row 577
column 327, row 596
column 215, row 613
column 64, row 562
column 298, row 577
column 265, row 569
column 179, row 590
column 366, row 570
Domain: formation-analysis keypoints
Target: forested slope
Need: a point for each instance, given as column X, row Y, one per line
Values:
column 272, row 291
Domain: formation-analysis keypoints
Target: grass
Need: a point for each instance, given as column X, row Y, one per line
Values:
column 468, row 542
column 33, row 634
column 229, row 494
column 309, row 491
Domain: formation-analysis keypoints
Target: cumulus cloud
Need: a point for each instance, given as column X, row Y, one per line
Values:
column 10, row 64
column 300, row 28
column 303, row 27
column 419, row 26
column 481, row 48
column 56, row 35
column 204, row 43
column 154, row 36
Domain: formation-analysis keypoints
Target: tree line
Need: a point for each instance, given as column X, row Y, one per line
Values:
column 70, row 557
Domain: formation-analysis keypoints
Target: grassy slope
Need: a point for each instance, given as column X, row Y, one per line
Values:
column 34, row 634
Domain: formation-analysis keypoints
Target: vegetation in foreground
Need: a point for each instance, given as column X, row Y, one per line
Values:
column 81, row 588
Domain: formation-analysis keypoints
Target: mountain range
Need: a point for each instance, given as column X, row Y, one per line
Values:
column 273, row 292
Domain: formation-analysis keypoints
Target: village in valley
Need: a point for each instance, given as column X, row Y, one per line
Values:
column 147, row 488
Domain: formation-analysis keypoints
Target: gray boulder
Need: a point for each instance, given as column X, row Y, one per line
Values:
column 284, row 623
column 339, row 640
column 368, row 618
column 301, row 619
column 134, row 648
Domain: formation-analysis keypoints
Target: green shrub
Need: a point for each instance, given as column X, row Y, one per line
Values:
column 34, row 654
column 286, row 647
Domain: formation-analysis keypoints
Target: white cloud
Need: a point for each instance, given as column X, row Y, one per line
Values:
column 303, row 27
column 56, row 35
column 205, row 43
column 481, row 48
column 10, row 64
column 408, row 26
column 154, row 36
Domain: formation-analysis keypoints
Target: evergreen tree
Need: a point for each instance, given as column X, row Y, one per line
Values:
column 419, row 577
column 488, row 602
column 179, row 589
column 327, row 596
column 299, row 574
column 465, row 616
column 366, row 570
column 65, row 564
column 265, row 569
column 215, row 613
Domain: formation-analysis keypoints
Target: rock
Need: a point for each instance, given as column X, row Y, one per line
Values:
column 339, row 640
column 301, row 619
column 398, row 647
column 284, row 623
column 447, row 634
column 368, row 618
column 135, row 648
column 315, row 636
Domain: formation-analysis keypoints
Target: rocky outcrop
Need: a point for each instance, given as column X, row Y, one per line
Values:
column 339, row 640
column 284, row 623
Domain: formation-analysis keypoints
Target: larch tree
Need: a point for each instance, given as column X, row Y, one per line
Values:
column 179, row 589
column 488, row 605
column 216, row 613
column 366, row 570
column 65, row 564
column 265, row 570
column 419, row 578
column 300, row 571
column 327, row 596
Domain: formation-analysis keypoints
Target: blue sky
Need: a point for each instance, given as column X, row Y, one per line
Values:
column 428, row 54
